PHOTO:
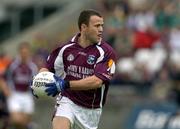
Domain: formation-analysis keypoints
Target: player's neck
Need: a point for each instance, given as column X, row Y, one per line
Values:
column 83, row 42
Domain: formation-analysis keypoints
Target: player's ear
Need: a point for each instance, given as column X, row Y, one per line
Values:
column 83, row 26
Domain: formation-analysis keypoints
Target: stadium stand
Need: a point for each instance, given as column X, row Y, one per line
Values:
column 19, row 14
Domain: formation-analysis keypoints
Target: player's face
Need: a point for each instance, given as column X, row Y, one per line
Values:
column 94, row 29
column 24, row 53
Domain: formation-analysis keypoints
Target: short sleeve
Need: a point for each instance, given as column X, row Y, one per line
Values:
column 51, row 59
column 105, row 69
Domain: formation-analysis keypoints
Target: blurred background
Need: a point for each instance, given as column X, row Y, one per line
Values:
column 145, row 91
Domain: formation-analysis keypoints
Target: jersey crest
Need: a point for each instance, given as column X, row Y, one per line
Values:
column 70, row 57
column 91, row 59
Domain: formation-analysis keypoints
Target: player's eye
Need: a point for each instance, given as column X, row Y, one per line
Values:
column 99, row 25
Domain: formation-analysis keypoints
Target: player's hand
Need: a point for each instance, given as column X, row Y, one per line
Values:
column 56, row 87
column 32, row 91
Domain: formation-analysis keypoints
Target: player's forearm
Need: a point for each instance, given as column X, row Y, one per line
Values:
column 88, row 83
column 5, row 88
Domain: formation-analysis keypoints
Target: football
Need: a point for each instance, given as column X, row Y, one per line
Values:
column 39, row 82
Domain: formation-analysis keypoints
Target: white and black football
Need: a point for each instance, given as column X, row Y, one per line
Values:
column 39, row 82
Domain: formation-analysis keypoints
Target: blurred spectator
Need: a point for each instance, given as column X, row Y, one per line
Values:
column 162, row 86
column 174, row 59
column 166, row 19
column 122, row 43
column 175, row 39
column 115, row 21
column 166, row 16
column 141, row 22
column 4, row 91
column 20, row 100
column 145, row 39
column 174, row 62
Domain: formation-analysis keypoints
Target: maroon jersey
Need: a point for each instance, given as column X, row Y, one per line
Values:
column 73, row 62
column 19, row 75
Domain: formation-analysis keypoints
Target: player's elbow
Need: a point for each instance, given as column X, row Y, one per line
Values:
column 98, row 82
column 98, row 85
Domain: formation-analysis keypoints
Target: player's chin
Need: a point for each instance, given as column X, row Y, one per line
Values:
column 96, row 40
column 99, row 39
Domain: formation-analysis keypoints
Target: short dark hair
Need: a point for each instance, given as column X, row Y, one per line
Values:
column 85, row 16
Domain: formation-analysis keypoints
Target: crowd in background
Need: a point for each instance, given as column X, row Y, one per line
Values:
column 146, row 37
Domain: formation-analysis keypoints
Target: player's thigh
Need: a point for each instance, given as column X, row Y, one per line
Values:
column 87, row 118
column 60, row 122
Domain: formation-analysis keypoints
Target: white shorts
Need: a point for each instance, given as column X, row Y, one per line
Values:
column 21, row 102
column 80, row 117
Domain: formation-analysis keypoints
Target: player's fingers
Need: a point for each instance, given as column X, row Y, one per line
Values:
column 54, row 95
column 55, row 77
column 49, row 84
column 47, row 90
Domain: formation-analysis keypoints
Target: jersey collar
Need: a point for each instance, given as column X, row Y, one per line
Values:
column 75, row 39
